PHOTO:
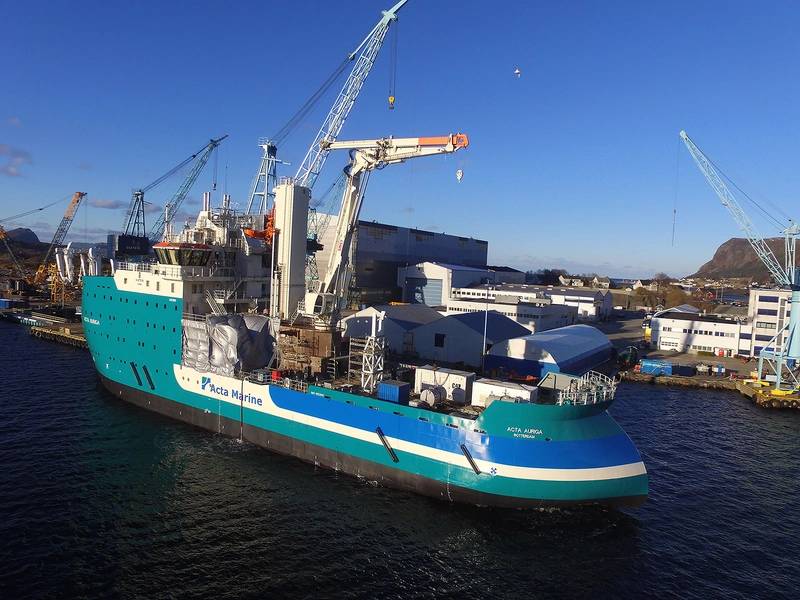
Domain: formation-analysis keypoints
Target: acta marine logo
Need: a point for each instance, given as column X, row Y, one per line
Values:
column 207, row 386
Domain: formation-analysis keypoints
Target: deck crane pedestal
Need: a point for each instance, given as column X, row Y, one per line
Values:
column 783, row 350
column 325, row 303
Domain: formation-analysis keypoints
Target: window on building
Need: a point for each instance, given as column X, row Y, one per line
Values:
column 765, row 325
column 771, row 312
column 767, row 298
column 438, row 340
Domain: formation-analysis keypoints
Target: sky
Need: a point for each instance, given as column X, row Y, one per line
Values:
column 576, row 164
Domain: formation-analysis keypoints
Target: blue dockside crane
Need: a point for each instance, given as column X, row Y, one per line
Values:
column 779, row 358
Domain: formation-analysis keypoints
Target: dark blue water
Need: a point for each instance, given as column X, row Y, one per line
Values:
column 99, row 499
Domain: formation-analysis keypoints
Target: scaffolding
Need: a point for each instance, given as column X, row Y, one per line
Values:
column 366, row 361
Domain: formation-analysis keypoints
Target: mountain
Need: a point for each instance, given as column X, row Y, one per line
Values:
column 735, row 258
column 24, row 235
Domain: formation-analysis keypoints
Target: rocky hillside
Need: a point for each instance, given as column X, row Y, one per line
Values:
column 24, row 235
column 735, row 258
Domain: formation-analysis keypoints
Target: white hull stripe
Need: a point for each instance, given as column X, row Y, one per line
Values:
column 512, row 471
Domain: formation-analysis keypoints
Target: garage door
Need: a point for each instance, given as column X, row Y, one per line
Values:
column 424, row 291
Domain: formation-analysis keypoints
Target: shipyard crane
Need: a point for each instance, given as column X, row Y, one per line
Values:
column 325, row 303
column 364, row 56
column 15, row 262
column 60, row 235
column 61, row 232
column 171, row 207
column 134, row 224
column 786, row 276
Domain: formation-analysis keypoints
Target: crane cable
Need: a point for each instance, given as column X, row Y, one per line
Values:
column 35, row 210
column 769, row 216
column 393, row 66
column 303, row 111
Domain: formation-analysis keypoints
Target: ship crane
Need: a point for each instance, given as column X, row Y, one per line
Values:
column 325, row 303
column 774, row 356
column 134, row 224
column 363, row 58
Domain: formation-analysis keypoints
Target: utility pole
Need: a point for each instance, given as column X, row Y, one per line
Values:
column 485, row 320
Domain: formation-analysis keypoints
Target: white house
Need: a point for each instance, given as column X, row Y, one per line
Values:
column 602, row 283
column 570, row 281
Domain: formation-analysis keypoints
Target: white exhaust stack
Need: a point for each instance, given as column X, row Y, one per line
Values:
column 207, row 201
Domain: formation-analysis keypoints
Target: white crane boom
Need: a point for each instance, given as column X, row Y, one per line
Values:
column 762, row 250
column 367, row 155
column 367, row 52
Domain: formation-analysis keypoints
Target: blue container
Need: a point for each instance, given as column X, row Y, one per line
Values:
column 652, row 366
column 394, row 391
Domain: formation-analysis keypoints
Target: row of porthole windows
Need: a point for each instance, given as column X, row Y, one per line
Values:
column 147, row 302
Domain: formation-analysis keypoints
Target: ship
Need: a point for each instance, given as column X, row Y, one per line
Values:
column 221, row 329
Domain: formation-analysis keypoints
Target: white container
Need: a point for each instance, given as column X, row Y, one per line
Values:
column 485, row 391
column 457, row 384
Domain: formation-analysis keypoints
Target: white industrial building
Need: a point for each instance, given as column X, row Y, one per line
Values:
column 768, row 313
column 398, row 321
column 685, row 329
column 535, row 316
column 459, row 338
column 591, row 305
column 380, row 249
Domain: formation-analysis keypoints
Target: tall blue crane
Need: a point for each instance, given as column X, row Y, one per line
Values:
column 171, row 207
column 134, row 223
column 776, row 356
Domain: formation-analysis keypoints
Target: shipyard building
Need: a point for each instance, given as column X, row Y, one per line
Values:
column 379, row 250
column 686, row 329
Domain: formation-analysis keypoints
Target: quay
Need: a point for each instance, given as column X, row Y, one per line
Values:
column 72, row 335
column 760, row 395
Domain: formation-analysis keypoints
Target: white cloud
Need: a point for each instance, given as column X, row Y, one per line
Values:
column 108, row 204
column 15, row 159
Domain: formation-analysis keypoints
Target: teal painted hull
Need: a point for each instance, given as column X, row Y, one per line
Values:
column 517, row 455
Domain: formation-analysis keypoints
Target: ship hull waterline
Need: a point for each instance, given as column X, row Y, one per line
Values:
column 337, row 461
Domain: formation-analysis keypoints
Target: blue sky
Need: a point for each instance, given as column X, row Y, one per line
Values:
column 576, row 164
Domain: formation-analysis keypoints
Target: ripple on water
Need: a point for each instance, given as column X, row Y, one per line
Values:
column 101, row 499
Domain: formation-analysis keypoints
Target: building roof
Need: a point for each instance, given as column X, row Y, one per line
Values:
column 498, row 327
column 529, row 288
column 682, row 316
column 560, row 345
column 406, row 316
column 603, row 279
column 454, row 267
column 501, row 269
column 731, row 311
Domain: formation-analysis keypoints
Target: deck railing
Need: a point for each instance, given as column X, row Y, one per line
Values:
column 175, row 272
column 591, row 388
